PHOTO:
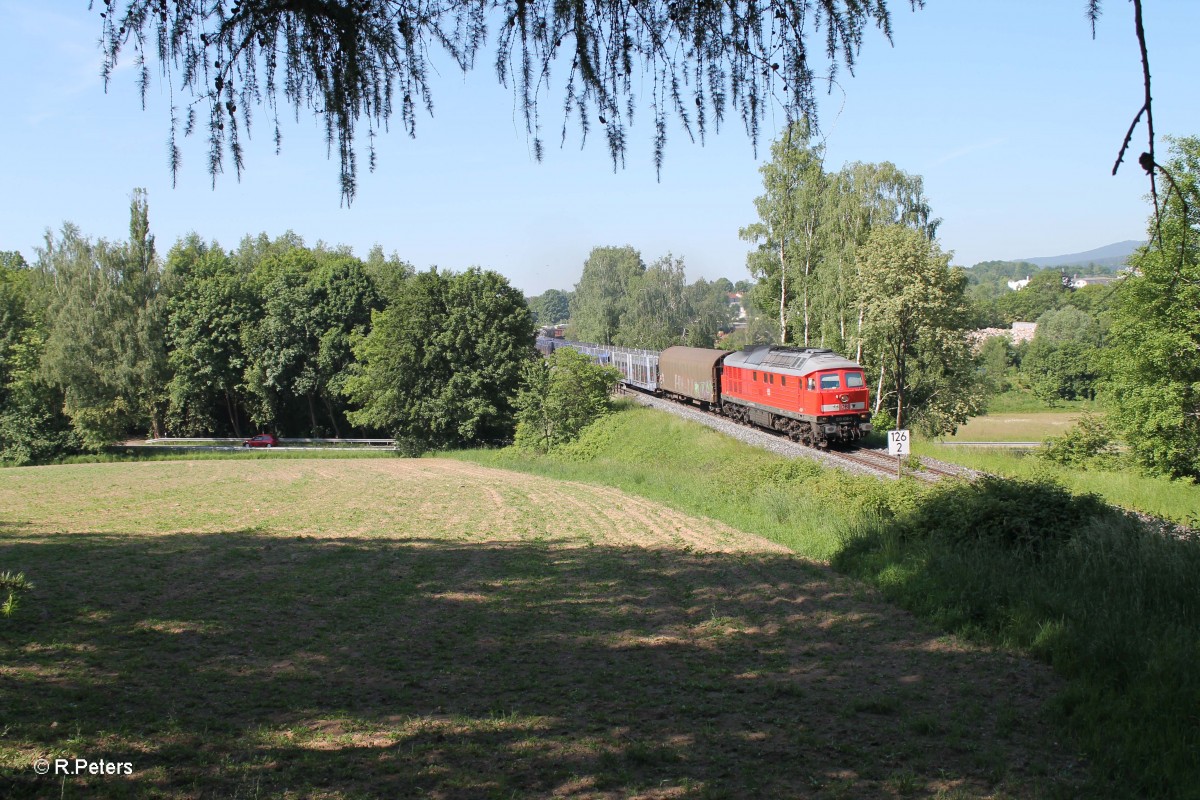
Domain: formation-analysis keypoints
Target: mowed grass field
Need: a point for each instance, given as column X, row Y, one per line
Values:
column 435, row 628
column 1031, row 426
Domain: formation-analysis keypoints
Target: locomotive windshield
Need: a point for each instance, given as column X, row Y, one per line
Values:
column 830, row 380
column 854, row 380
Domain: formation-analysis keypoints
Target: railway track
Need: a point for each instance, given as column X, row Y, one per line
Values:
column 930, row 470
column 864, row 461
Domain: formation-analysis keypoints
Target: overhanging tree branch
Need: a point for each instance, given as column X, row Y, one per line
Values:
column 349, row 61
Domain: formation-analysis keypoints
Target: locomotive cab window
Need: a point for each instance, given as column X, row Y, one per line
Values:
column 812, row 385
column 783, row 380
column 854, row 380
column 830, row 381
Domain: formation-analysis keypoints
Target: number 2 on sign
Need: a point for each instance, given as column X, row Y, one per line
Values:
column 898, row 444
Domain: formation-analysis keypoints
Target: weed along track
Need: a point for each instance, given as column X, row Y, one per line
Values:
column 435, row 628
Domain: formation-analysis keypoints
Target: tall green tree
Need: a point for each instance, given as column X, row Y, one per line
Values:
column 388, row 272
column 787, row 233
column 1154, row 347
column 551, row 306
column 32, row 425
column 14, row 312
column 316, row 302
column 995, row 358
column 1063, row 360
column 601, row 296
column 105, row 323
column 1045, row 291
column 811, row 226
column 709, row 312
column 212, row 304
column 862, row 197
column 442, row 364
column 656, row 307
column 913, row 330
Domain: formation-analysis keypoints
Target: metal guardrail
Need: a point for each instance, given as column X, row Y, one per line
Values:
column 205, row 439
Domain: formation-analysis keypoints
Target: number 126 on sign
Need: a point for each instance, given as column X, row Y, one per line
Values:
column 898, row 443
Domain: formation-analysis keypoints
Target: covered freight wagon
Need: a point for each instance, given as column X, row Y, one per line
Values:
column 691, row 373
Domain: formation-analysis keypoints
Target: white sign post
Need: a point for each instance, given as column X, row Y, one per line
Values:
column 898, row 446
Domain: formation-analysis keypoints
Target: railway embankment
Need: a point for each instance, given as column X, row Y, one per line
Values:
column 1020, row 564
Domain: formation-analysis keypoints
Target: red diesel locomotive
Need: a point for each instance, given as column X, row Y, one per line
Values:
column 812, row 394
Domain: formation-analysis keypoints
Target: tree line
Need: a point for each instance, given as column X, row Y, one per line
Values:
column 619, row 300
column 849, row 260
column 103, row 340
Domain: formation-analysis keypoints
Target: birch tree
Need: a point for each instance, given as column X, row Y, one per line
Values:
column 915, row 308
column 787, row 233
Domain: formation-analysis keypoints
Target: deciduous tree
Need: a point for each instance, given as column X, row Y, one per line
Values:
column 560, row 395
column 315, row 303
column 551, row 306
column 915, row 307
column 789, row 213
column 442, row 363
column 1154, row 346
column 656, row 308
column 105, row 323
column 600, row 297
column 32, row 425
column 211, row 305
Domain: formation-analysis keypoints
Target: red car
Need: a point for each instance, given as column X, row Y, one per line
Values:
column 262, row 440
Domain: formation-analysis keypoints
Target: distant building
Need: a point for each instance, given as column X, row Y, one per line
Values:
column 1017, row 286
column 1092, row 280
column 735, row 298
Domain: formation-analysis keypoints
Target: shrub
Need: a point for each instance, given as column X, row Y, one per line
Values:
column 1087, row 442
column 560, row 395
column 1021, row 516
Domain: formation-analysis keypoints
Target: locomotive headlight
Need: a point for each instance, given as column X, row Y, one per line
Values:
column 844, row 398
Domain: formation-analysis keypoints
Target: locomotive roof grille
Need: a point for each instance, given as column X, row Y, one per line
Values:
column 792, row 358
column 798, row 359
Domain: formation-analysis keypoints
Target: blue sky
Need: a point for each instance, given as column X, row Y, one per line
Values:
column 1009, row 109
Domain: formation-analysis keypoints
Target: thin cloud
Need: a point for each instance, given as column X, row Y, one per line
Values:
column 965, row 151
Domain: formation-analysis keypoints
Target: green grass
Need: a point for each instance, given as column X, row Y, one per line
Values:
column 1175, row 500
column 426, row 628
column 128, row 455
column 694, row 469
column 1014, row 426
column 1112, row 606
column 281, row 627
column 1022, row 402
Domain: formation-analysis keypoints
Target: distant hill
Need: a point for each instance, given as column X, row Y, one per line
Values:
column 1111, row 255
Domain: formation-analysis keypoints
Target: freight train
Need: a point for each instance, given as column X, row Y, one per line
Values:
column 811, row 394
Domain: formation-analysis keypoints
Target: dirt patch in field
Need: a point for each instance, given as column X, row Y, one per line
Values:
column 434, row 628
